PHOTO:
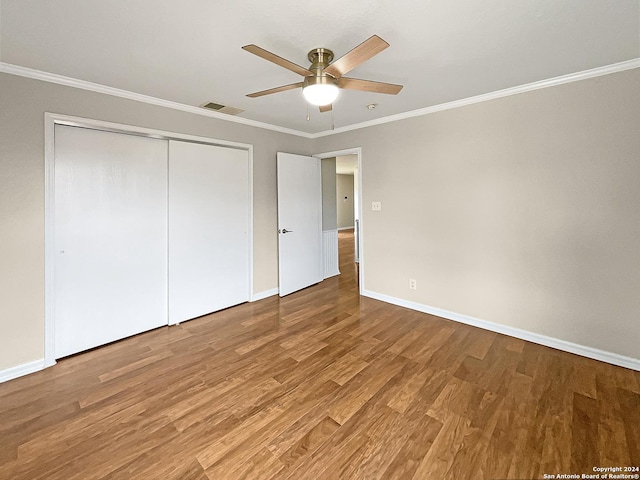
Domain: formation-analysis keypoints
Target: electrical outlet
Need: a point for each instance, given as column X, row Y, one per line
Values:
column 412, row 284
column 376, row 206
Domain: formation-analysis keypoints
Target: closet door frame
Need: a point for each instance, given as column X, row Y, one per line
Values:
column 53, row 119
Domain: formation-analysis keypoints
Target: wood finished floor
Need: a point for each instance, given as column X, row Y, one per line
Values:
column 319, row 385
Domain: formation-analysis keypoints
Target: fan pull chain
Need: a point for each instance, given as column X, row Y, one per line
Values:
column 332, row 125
column 308, row 114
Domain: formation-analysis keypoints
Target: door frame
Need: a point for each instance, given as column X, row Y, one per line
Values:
column 53, row 119
column 353, row 151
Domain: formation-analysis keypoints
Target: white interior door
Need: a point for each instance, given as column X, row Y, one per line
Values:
column 110, row 264
column 299, row 222
column 208, row 229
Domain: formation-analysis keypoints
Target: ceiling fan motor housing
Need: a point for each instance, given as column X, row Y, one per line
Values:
column 320, row 59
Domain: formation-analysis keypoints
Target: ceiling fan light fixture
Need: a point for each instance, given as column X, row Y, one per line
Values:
column 320, row 91
column 320, row 95
column 323, row 79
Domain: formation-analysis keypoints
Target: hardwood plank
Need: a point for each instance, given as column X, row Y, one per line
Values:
column 366, row 384
column 481, row 345
column 339, row 451
column 314, row 413
column 261, row 465
column 306, row 349
column 405, row 463
column 312, row 440
column 630, row 403
column 585, row 434
column 458, row 398
column 384, row 441
column 440, row 458
column 345, row 368
column 408, row 391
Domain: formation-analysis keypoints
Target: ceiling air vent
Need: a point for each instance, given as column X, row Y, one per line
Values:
column 222, row 108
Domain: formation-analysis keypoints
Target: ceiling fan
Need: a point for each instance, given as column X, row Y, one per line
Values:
column 323, row 79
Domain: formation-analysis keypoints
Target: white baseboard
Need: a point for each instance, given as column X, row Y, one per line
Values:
column 21, row 370
column 582, row 350
column 265, row 294
column 347, row 228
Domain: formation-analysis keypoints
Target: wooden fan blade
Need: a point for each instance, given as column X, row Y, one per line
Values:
column 369, row 86
column 272, row 57
column 326, row 108
column 350, row 60
column 283, row 88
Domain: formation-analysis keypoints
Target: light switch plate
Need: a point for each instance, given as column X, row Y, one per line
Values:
column 376, row 206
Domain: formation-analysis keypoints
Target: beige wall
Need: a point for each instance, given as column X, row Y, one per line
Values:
column 523, row 211
column 329, row 211
column 22, row 106
column 344, row 188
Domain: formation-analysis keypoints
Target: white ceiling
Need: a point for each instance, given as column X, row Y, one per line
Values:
column 441, row 50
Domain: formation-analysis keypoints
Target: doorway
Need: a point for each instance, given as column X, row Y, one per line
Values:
column 344, row 241
column 347, row 202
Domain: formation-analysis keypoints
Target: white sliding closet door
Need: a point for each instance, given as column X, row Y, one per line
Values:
column 208, row 229
column 110, row 264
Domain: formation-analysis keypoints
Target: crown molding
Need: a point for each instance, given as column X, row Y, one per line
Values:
column 117, row 92
column 95, row 87
column 550, row 82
